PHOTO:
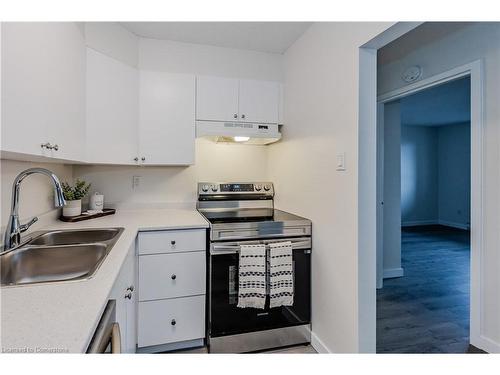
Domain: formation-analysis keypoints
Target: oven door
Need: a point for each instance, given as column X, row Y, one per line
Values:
column 225, row 318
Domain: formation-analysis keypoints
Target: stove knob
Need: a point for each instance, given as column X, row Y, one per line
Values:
column 204, row 188
column 258, row 187
column 214, row 188
column 267, row 187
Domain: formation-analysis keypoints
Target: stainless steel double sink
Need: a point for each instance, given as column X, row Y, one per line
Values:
column 60, row 255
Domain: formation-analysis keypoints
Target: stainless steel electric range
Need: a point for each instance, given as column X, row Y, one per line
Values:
column 244, row 213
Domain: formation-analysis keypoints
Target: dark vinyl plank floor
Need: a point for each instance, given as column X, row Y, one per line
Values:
column 427, row 310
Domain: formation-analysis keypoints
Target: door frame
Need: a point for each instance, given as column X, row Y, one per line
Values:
column 475, row 71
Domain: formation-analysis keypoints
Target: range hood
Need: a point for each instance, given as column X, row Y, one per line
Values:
column 238, row 132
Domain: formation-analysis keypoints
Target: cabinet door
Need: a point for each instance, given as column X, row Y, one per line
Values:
column 112, row 110
column 167, row 118
column 171, row 320
column 131, row 289
column 216, row 98
column 124, row 292
column 259, row 101
column 171, row 275
column 118, row 293
column 43, row 88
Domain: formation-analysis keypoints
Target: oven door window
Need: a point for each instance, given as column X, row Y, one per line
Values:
column 226, row 318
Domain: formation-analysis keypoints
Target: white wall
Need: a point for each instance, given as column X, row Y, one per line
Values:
column 454, row 175
column 478, row 41
column 321, row 111
column 177, row 57
column 419, row 175
column 392, row 190
column 176, row 185
column 113, row 40
column 435, row 170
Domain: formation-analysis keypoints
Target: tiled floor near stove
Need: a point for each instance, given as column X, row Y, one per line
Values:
column 427, row 310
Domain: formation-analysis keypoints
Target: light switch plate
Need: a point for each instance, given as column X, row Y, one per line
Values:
column 340, row 161
column 136, row 181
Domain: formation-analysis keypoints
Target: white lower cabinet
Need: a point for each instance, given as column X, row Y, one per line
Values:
column 124, row 292
column 171, row 320
column 172, row 287
column 171, row 275
column 171, row 241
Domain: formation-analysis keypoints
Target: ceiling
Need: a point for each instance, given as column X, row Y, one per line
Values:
column 274, row 37
column 441, row 105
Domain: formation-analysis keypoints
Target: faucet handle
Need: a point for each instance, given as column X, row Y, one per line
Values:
column 24, row 227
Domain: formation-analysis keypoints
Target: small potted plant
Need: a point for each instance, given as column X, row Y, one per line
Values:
column 73, row 196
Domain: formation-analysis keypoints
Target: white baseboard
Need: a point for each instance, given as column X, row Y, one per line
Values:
column 318, row 345
column 486, row 344
column 446, row 223
column 454, row 224
column 390, row 273
column 416, row 223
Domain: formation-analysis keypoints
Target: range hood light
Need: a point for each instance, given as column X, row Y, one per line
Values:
column 242, row 133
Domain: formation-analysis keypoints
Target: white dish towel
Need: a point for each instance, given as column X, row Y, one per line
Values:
column 281, row 274
column 252, row 276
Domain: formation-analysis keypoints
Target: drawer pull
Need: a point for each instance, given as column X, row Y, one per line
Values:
column 128, row 295
column 173, row 277
column 173, row 322
column 172, row 242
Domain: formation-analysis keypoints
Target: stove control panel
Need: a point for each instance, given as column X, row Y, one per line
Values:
column 216, row 188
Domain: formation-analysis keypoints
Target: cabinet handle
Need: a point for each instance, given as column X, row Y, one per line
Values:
column 143, row 158
column 136, row 159
column 47, row 145
column 130, row 288
column 55, row 147
column 235, row 115
column 172, row 242
column 173, row 277
column 128, row 295
column 242, row 116
column 173, row 322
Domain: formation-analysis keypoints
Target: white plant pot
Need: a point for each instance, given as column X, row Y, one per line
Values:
column 72, row 208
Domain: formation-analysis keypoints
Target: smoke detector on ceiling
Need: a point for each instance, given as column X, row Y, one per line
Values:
column 412, row 74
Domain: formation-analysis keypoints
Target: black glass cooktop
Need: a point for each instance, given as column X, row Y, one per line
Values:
column 250, row 215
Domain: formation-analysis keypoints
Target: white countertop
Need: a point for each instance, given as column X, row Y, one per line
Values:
column 64, row 315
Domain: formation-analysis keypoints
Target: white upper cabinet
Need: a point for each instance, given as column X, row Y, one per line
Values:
column 43, row 89
column 216, row 98
column 167, row 118
column 227, row 99
column 112, row 110
column 258, row 101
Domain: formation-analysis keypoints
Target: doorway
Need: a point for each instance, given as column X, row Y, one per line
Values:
column 424, row 192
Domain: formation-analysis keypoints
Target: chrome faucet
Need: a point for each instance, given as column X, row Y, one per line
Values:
column 14, row 228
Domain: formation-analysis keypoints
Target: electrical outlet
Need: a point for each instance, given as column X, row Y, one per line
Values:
column 136, row 181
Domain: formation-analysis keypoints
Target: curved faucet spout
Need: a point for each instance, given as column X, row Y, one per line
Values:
column 14, row 228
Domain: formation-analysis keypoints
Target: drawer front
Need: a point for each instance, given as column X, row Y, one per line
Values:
column 171, row 241
column 171, row 275
column 171, row 320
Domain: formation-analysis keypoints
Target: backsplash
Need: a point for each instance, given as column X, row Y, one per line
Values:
column 37, row 193
column 174, row 186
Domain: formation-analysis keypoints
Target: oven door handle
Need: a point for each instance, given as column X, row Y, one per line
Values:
column 220, row 249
